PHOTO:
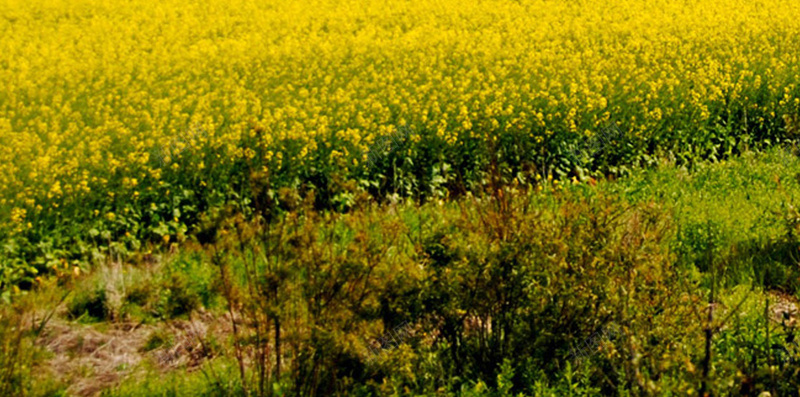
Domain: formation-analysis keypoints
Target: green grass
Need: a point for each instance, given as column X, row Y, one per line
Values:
column 746, row 209
column 547, row 269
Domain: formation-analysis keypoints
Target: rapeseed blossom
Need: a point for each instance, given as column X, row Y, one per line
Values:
column 102, row 102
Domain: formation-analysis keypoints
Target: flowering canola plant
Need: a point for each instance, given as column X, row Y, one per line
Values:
column 96, row 98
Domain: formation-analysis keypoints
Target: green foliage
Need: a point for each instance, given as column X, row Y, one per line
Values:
column 571, row 290
column 516, row 279
column 744, row 210
column 20, row 357
column 416, row 164
column 89, row 305
column 180, row 384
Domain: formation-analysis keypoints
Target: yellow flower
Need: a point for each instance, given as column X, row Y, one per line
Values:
column 18, row 215
column 127, row 112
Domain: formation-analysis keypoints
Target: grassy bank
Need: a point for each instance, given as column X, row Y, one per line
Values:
column 570, row 289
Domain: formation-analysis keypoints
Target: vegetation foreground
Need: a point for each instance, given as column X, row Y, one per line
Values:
column 407, row 198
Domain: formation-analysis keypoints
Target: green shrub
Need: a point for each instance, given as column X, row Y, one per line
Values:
column 89, row 304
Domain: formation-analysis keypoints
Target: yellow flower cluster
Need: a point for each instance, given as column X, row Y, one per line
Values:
column 90, row 89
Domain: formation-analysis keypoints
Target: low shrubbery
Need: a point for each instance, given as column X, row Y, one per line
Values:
column 568, row 289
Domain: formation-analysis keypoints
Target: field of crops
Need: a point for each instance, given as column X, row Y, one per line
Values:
column 128, row 126
column 132, row 117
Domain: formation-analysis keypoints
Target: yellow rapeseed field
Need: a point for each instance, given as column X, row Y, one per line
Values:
column 386, row 197
column 91, row 92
